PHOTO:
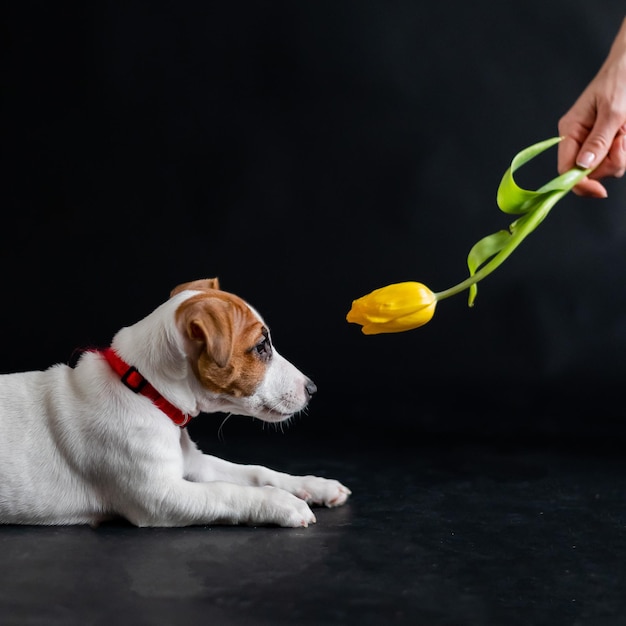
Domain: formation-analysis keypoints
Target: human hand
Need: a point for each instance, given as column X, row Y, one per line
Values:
column 594, row 129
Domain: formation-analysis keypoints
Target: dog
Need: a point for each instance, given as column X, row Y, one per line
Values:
column 108, row 439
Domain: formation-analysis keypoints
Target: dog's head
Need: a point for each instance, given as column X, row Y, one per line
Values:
column 232, row 356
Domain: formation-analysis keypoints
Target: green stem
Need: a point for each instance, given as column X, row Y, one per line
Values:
column 534, row 218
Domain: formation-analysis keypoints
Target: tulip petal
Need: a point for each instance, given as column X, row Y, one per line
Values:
column 401, row 324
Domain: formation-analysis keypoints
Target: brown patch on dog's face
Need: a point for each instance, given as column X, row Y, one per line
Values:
column 232, row 346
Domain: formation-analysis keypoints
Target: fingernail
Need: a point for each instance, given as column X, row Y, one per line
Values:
column 586, row 159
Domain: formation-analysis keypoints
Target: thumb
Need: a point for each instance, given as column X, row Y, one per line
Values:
column 597, row 145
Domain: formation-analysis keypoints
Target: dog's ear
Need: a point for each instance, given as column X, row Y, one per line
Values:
column 210, row 321
column 199, row 285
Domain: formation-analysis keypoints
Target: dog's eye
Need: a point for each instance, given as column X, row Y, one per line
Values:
column 264, row 349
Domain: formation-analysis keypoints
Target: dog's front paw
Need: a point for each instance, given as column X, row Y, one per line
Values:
column 282, row 508
column 316, row 490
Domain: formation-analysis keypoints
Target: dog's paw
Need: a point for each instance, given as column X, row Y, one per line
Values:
column 282, row 508
column 316, row 490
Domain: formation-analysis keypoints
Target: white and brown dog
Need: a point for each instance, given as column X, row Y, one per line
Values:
column 107, row 439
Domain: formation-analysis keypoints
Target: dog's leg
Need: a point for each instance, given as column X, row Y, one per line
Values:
column 184, row 503
column 204, row 468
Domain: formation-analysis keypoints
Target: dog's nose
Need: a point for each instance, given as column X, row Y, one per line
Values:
column 311, row 387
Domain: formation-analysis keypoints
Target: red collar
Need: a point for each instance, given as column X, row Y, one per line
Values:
column 136, row 382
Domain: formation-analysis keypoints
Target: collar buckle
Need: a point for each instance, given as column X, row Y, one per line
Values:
column 134, row 380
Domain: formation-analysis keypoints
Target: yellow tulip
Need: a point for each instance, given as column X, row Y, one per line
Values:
column 404, row 306
column 394, row 308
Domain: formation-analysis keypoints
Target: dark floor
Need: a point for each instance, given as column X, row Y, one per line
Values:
column 454, row 534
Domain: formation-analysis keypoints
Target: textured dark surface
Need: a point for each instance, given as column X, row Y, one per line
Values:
column 437, row 534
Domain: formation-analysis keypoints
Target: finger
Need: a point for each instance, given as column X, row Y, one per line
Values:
column 617, row 155
column 614, row 164
column 589, row 188
column 568, row 149
column 574, row 127
column 597, row 145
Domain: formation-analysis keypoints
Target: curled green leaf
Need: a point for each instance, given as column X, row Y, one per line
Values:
column 511, row 198
column 482, row 251
column 532, row 205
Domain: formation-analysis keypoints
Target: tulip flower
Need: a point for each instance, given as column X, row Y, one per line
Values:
column 394, row 308
column 404, row 306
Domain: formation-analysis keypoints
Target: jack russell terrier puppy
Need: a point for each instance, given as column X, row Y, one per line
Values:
column 107, row 439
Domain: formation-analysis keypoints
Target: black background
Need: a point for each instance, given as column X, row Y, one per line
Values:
column 307, row 153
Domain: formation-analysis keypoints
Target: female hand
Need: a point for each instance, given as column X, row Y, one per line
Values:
column 594, row 129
